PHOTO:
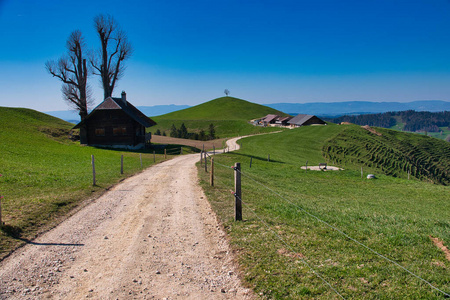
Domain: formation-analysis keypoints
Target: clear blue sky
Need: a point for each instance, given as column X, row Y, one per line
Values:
column 188, row 52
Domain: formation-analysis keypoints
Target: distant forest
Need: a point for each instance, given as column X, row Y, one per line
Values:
column 413, row 120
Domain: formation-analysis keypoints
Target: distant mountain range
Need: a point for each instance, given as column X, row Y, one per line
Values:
column 156, row 110
column 332, row 109
column 335, row 109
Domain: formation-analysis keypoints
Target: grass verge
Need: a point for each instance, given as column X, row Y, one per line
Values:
column 279, row 244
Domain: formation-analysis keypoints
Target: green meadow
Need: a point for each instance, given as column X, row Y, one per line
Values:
column 290, row 244
column 45, row 175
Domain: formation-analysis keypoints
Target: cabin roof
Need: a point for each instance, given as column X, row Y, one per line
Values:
column 111, row 103
column 269, row 118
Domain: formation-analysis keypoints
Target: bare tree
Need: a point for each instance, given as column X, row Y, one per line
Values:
column 115, row 48
column 227, row 92
column 72, row 71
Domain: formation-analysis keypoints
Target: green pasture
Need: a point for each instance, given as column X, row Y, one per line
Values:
column 45, row 175
column 280, row 243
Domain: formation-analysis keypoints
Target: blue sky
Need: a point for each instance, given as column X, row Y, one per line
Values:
column 188, row 52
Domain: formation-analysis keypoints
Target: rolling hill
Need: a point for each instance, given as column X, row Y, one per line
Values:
column 229, row 115
column 224, row 108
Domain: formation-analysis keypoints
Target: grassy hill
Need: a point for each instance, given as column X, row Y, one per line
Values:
column 391, row 153
column 229, row 115
column 283, row 241
column 45, row 174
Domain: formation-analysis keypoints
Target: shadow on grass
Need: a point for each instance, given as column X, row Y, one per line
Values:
column 16, row 233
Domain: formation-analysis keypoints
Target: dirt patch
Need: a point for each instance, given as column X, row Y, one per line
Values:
column 159, row 139
column 440, row 245
column 371, row 130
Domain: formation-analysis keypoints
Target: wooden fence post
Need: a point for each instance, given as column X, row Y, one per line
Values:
column 268, row 157
column 251, row 159
column 121, row 164
column 93, row 169
column 181, row 151
column 211, row 179
column 362, row 173
column 214, row 150
column 306, row 167
column 206, row 163
column 154, row 157
column 201, row 158
column 165, row 153
column 409, row 173
column 237, row 192
column 140, row 158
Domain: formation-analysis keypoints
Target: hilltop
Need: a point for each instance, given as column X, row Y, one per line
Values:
column 224, row 108
column 229, row 115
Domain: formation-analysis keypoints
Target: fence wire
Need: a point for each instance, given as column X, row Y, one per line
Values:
column 344, row 234
column 290, row 248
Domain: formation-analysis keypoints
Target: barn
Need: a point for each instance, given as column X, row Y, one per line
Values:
column 115, row 123
column 304, row 120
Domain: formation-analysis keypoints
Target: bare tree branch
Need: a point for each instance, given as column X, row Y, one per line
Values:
column 114, row 49
column 72, row 71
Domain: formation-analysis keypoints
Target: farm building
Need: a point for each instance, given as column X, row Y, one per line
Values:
column 115, row 123
column 269, row 119
column 304, row 120
column 274, row 120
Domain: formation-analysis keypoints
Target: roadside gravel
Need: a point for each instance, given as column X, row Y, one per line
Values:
column 153, row 236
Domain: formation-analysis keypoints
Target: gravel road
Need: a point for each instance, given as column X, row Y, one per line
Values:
column 153, row 236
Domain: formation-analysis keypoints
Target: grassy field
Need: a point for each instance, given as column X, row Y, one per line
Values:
column 280, row 243
column 229, row 115
column 45, row 175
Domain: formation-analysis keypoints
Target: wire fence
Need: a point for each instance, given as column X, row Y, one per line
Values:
column 261, row 185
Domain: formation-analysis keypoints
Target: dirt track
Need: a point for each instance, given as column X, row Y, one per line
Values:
column 154, row 236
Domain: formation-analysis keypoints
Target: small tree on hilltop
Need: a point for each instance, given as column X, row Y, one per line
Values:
column 227, row 92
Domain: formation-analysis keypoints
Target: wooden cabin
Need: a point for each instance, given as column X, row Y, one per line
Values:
column 115, row 123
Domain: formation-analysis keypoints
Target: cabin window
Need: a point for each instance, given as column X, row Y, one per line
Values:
column 120, row 131
column 99, row 131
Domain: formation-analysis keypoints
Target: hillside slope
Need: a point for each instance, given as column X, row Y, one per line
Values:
column 229, row 115
column 224, row 108
column 393, row 153
column 284, row 235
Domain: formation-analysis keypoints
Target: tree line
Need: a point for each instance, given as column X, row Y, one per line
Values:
column 183, row 133
column 412, row 120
